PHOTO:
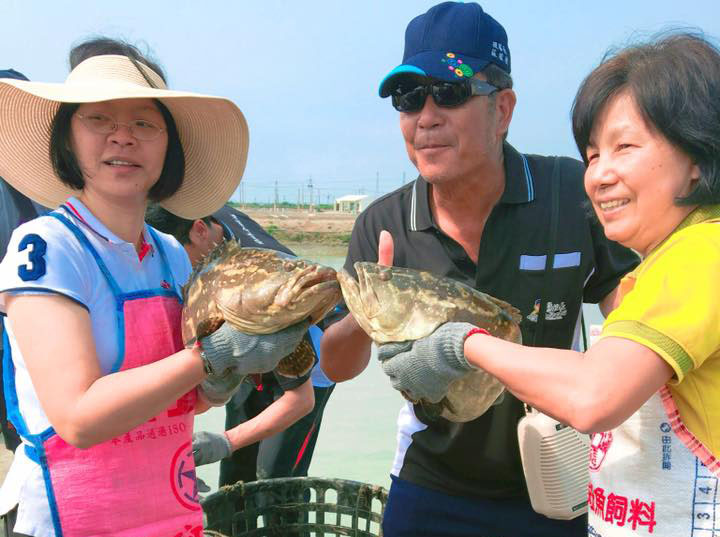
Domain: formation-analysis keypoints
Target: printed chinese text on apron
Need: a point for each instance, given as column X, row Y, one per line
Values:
column 652, row 476
column 142, row 483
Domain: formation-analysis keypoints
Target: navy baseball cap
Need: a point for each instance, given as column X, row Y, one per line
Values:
column 452, row 41
column 12, row 73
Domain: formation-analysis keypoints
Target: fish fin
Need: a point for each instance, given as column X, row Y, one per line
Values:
column 434, row 411
column 508, row 308
column 299, row 362
column 446, row 404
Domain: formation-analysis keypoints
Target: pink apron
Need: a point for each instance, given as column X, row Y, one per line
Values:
column 142, row 483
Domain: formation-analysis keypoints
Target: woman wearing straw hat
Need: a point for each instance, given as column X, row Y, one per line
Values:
column 98, row 383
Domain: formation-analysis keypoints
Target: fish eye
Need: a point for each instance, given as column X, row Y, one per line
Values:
column 385, row 275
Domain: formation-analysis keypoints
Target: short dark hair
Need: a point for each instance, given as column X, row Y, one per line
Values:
column 675, row 81
column 101, row 46
column 61, row 156
column 167, row 222
column 497, row 77
column 500, row 79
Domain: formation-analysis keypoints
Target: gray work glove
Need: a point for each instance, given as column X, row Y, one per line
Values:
column 229, row 349
column 210, row 447
column 424, row 368
column 219, row 389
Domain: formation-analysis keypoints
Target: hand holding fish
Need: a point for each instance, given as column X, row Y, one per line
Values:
column 397, row 304
column 235, row 294
column 218, row 389
column 425, row 368
column 229, row 349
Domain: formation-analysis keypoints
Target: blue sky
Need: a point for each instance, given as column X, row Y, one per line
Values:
column 305, row 73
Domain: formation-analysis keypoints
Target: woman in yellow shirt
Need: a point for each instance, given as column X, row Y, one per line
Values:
column 647, row 123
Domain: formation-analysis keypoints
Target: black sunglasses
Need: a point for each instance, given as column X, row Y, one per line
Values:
column 410, row 96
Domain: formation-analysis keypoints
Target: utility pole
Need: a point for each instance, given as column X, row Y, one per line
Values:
column 310, row 186
column 275, row 204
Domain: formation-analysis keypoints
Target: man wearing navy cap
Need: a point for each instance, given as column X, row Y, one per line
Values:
column 509, row 224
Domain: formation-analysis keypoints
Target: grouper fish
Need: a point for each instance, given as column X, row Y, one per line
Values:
column 258, row 291
column 395, row 304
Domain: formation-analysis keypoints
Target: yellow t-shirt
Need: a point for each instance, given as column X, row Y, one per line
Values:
column 671, row 304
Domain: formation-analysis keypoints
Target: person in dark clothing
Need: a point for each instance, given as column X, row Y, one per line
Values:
column 15, row 209
column 272, row 422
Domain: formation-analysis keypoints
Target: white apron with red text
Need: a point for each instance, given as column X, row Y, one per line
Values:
column 651, row 476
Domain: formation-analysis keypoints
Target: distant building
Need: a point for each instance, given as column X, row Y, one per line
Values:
column 353, row 203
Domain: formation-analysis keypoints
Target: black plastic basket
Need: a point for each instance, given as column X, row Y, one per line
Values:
column 296, row 506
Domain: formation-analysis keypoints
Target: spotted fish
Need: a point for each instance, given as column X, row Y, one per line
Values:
column 394, row 304
column 258, row 291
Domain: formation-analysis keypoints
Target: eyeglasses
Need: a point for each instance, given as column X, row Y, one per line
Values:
column 410, row 96
column 141, row 129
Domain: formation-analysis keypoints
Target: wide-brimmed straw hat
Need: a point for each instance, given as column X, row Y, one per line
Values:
column 212, row 130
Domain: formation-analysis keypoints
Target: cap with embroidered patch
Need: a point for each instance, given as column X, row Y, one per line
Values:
column 451, row 42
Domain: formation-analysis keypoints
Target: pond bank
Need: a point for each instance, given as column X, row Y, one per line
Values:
column 291, row 226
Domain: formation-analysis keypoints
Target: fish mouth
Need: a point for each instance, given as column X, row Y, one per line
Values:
column 331, row 289
column 311, row 294
column 310, row 281
column 317, row 289
column 313, row 279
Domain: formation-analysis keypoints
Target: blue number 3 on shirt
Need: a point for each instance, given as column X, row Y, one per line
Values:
column 35, row 256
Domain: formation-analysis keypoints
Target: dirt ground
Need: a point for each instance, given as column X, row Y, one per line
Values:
column 294, row 226
column 295, row 220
